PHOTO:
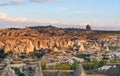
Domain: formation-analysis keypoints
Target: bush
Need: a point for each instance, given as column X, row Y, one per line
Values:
column 43, row 65
column 85, row 56
column 64, row 67
column 57, row 66
column 73, row 66
column 0, row 72
column 21, row 74
column 113, row 61
column 102, row 63
column 2, row 54
column 40, row 53
column 95, row 65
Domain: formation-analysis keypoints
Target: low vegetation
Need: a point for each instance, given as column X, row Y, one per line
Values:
column 94, row 65
column 59, row 66
column 84, row 56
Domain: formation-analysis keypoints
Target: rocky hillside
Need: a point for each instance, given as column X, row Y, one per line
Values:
column 31, row 39
column 27, row 45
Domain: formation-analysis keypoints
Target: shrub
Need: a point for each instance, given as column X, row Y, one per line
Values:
column 73, row 66
column 21, row 74
column 64, row 67
column 43, row 65
column 95, row 65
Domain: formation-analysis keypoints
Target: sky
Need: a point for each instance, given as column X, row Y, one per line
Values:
column 100, row 14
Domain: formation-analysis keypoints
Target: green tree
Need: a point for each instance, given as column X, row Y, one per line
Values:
column 2, row 54
column 102, row 63
column 73, row 66
column 21, row 74
column 95, row 65
column 43, row 65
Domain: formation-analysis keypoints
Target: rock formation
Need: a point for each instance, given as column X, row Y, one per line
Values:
column 38, row 70
column 35, row 38
column 8, row 71
column 88, row 27
column 28, row 45
column 79, row 71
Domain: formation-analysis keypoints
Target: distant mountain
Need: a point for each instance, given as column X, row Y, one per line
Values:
column 53, row 31
column 41, row 27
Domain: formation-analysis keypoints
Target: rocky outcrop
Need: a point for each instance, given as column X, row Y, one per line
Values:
column 106, row 70
column 8, row 71
column 28, row 45
column 38, row 70
column 79, row 71
column 35, row 70
column 29, row 39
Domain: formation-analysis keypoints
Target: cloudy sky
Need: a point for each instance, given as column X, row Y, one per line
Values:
column 100, row 14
